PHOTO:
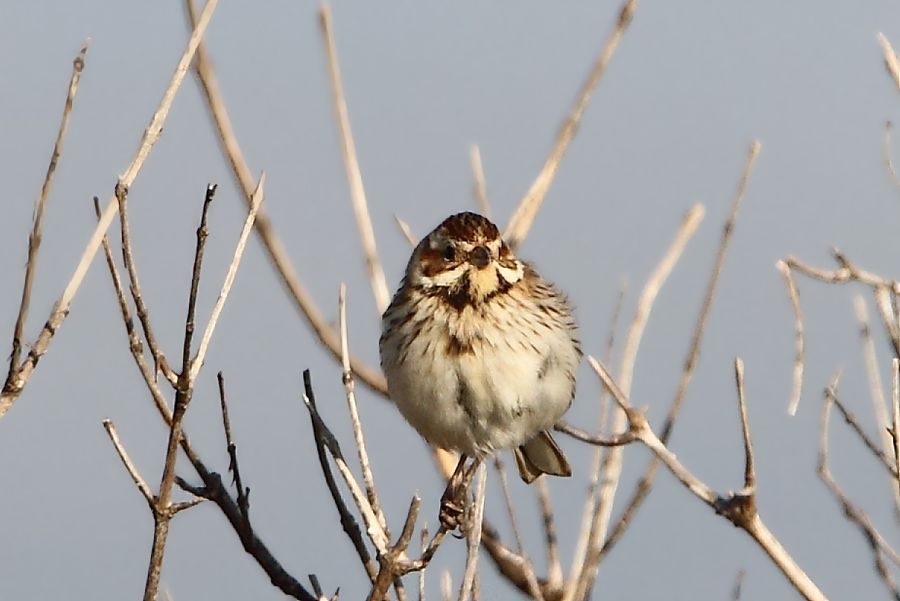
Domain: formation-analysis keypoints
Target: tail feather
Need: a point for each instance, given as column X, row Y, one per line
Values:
column 541, row 455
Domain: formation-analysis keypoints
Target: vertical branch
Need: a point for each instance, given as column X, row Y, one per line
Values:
column 473, row 537
column 895, row 402
column 479, row 187
column 799, row 340
column 351, row 164
column 162, row 514
column 34, row 240
column 524, row 215
column 256, row 200
column 368, row 477
column 749, row 469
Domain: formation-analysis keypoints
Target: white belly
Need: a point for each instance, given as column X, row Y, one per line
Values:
column 517, row 381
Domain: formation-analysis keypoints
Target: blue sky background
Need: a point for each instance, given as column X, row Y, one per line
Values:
column 692, row 84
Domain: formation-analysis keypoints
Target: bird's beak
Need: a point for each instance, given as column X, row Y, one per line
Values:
column 480, row 257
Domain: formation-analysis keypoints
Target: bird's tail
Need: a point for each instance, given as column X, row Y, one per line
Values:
column 541, row 455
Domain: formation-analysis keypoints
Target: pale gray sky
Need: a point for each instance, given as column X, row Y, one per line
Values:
column 691, row 85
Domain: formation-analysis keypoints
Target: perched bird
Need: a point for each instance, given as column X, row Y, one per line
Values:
column 479, row 351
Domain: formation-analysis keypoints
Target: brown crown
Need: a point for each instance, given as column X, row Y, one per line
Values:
column 470, row 227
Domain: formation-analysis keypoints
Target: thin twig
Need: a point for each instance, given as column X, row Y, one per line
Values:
column 870, row 444
column 479, row 187
column 889, row 155
column 159, row 361
column 351, row 164
column 129, row 465
column 524, row 215
column 799, row 339
column 612, row 462
column 134, row 342
column 358, row 437
column 554, row 565
column 255, row 202
column 895, row 403
column 273, row 245
column 34, row 240
column 473, row 538
column 876, row 542
column 749, row 469
column 890, row 58
column 589, row 522
column 646, row 483
column 163, row 513
column 243, row 494
column 13, row 388
column 739, row 509
column 348, row 522
column 738, row 585
column 374, row 530
column 406, row 231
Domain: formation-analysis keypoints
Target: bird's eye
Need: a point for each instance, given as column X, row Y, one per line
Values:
column 449, row 253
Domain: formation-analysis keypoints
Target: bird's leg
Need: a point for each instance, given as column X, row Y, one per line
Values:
column 453, row 501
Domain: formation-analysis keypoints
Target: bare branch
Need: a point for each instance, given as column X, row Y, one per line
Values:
column 876, row 542
column 134, row 342
column 738, row 508
column 14, row 386
column 890, row 58
column 646, row 483
column 129, row 465
column 799, row 340
column 255, row 202
column 524, row 215
column 351, row 164
column 888, row 154
column 406, row 231
column 243, row 494
column 473, row 536
column 374, row 529
column 320, row 326
column 368, row 477
column 749, row 470
column 159, row 360
column 34, row 240
column 479, row 187
column 554, row 566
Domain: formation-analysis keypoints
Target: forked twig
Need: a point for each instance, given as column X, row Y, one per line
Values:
column 878, row 545
column 278, row 255
column 738, row 508
column 14, row 386
column 524, row 215
column 255, row 202
column 646, row 483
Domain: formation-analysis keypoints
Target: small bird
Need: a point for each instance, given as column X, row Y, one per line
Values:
column 479, row 351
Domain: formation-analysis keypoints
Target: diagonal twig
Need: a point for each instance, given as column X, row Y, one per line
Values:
column 351, row 164
column 646, row 483
column 34, row 240
column 14, row 386
column 255, row 202
column 479, row 186
column 273, row 245
column 524, row 215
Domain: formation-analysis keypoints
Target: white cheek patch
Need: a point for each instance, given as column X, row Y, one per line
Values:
column 445, row 278
column 510, row 275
